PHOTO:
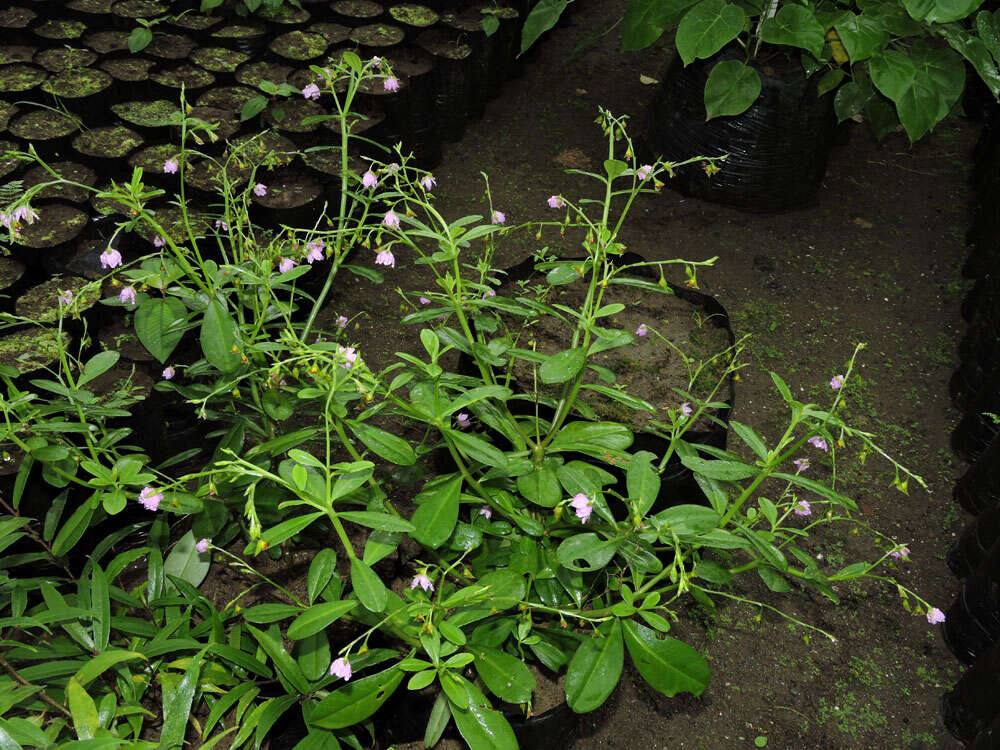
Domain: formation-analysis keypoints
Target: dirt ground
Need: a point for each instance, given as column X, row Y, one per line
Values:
column 875, row 260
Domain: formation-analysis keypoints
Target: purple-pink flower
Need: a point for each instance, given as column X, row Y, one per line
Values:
column 424, row 301
column 158, row 241
column 369, row 180
column 486, row 511
column 150, row 499
column 462, row 419
column 802, row 508
column 817, row 442
column 169, row 372
column 583, row 506
column 556, row 201
column 642, row 330
column 314, row 251
column 111, row 258
column 390, row 219
column 837, row 382
column 341, row 668
column 686, row 410
column 220, row 224
column 350, row 355
column 66, row 297
column 202, row 545
column 170, row 166
column 127, row 296
column 902, row 553
column 260, row 190
column 489, row 293
column 801, row 464
column 423, row 581
column 311, row 91
column 391, row 84
column 935, row 615
column 341, row 321
column 428, row 182
column 644, row 171
column 377, row 61
column 286, row 264
column 22, row 213
column 499, row 217
column 385, row 258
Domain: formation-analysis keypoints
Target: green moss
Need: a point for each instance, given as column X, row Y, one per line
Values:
column 229, row 98
column 284, row 13
column 186, row 75
column 414, row 15
column 293, row 114
column 334, row 33
column 170, row 46
column 77, row 83
column 357, row 8
column 11, row 271
column 67, row 58
column 132, row 70
column 239, row 31
column 61, row 29
column 91, row 6
column 16, row 53
column 111, row 142
column 152, row 159
column 56, row 224
column 253, row 73
column 42, row 124
column 16, row 18
column 195, row 22
column 41, row 303
column 378, row 35
column 19, row 77
column 31, row 350
column 299, row 45
column 68, row 170
column 172, row 221
column 147, row 114
column 219, row 59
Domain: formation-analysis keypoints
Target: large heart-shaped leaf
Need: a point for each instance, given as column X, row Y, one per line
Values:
column 646, row 20
column 924, row 84
column 708, row 27
column 795, row 25
column 862, row 36
column 731, row 88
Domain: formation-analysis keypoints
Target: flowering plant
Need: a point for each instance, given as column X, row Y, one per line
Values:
column 541, row 540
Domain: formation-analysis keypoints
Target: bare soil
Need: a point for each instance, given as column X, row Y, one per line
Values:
column 875, row 260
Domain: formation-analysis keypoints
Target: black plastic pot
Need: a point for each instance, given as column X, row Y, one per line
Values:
column 988, row 739
column 971, row 706
column 15, row 25
column 377, row 39
column 53, row 235
column 975, row 542
column 356, row 12
column 420, row 133
column 82, row 91
column 972, row 624
column 16, row 53
column 777, row 149
column 979, row 488
column 23, row 82
column 72, row 171
column 49, row 132
column 454, row 80
column 58, row 60
column 293, row 199
column 976, row 429
column 468, row 24
column 250, row 39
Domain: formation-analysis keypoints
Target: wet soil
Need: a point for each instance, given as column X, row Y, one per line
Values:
column 875, row 260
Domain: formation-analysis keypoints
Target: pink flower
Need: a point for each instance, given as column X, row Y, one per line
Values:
column 642, row 330
column 377, row 61
column 424, row 301
column 499, row 217
column 556, row 201
column 260, row 190
column 220, row 224
column 462, row 419
column 385, row 258
column 286, row 264
column 127, row 296
column 202, row 545
column 390, row 219
column 489, row 293
column 392, row 167
column 24, row 213
column 169, row 372
column 170, row 166
column 801, row 464
column 903, row 553
column 369, row 180
column 391, row 84
column 583, row 506
column 802, row 508
column 686, row 410
column 341, row 668
column 837, row 382
column 644, row 171
column 350, row 355
column 314, row 251
column 486, row 511
column 66, row 297
column 111, row 258
column 311, row 92
column 935, row 615
column 150, row 499
column 341, row 321
column 817, row 442
column 422, row 581
column 428, row 182
column 159, row 241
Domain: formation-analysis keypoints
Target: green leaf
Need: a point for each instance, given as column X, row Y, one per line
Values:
column 592, row 549
column 265, row 614
column 689, row 519
column 670, row 666
column 355, row 701
column 543, row 16
column 370, row 590
column 83, row 709
column 595, row 669
column 506, row 676
column 313, row 656
column 976, row 52
column 923, row 83
column 730, row 89
column 592, row 436
column 97, row 365
column 380, row 521
column 988, row 27
column 862, row 36
column 218, row 338
column 646, row 20
column 751, row 438
column 796, row 26
column 318, row 618
column 614, row 168
column 563, row 366
column 285, row 530
column 642, row 481
column 728, row 471
column 97, row 665
column 384, row 444
column 321, row 570
column 186, row 562
column 159, row 324
column 284, row 663
column 253, row 107
column 437, row 515
column 438, row 721
column 708, row 27
column 74, row 528
column 177, row 702
column 940, row 11
column 774, row 580
column 541, row 486
column 484, row 728
column 139, row 39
